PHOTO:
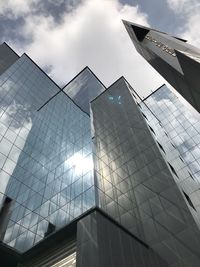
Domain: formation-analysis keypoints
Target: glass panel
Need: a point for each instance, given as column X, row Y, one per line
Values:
column 46, row 155
column 83, row 89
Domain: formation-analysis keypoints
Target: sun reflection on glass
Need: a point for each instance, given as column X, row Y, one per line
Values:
column 81, row 163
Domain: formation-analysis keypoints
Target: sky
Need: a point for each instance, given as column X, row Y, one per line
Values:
column 64, row 36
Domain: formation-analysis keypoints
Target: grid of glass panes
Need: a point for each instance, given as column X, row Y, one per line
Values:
column 182, row 125
column 84, row 88
column 23, row 89
column 135, row 184
column 46, row 155
column 7, row 57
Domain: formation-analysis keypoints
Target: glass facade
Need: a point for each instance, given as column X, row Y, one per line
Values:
column 181, row 124
column 137, row 183
column 7, row 57
column 61, row 156
column 46, row 158
column 83, row 89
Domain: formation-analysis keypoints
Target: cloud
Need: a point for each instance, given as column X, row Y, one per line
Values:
column 192, row 29
column 56, row 2
column 90, row 34
column 190, row 10
column 179, row 6
column 16, row 8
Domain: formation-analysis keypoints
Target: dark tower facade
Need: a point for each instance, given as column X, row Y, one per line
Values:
column 177, row 61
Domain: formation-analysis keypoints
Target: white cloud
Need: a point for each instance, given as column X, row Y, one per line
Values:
column 16, row 8
column 190, row 10
column 180, row 5
column 192, row 29
column 91, row 34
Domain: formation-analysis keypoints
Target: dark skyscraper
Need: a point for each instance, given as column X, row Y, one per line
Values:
column 90, row 176
column 177, row 61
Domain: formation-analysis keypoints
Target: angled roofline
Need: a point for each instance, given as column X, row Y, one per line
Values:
column 142, row 100
column 86, row 68
column 10, row 48
column 133, row 90
column 48, row 100
column 96, row 77
column 42, row 70
column 75, row 103
column 60, row 89
column 127, row 22
column 120, row 78
column 153, row 92
column 116, row 81
column 74, row 78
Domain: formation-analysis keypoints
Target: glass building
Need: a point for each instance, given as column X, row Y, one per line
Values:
column 84, row 88
column 175, row 59
column 181, row 123
column 7, row 57
column 90, row 176
column 39, row 149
